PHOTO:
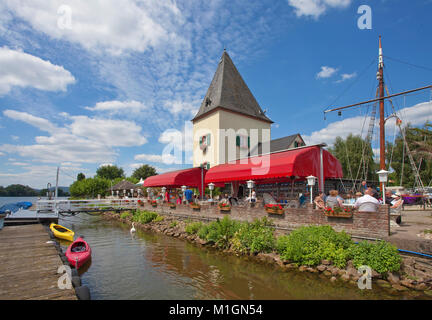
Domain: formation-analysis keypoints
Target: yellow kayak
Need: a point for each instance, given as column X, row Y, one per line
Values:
column 62, row 232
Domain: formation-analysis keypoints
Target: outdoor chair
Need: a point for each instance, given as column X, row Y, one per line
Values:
column 396, row 215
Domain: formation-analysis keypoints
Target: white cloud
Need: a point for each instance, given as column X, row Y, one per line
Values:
column 326, row 72
column 37, row 176
column 182, row 107
column 162, row 158
column 416, row 115
column 315, row 8
column 109, row 25
column 19, row 69
column 119, row 107
column 118, row 133
column 83, row 140
column 347, row 76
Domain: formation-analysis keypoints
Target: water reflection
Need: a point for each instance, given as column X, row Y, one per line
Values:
column 153, row 266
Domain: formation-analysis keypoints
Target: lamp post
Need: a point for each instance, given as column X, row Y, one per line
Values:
column 211, row 187
column 311, row 183
column 250, row 185
column 183, row 188
column 148, row 193
column 132, row 193
column 383, row 176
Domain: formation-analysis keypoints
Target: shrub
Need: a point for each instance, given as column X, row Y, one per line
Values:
column 381, row 256
column 145, row 216
column 158, row 219
column 173, row 224
column 219, row 232
column 192, row 228
column 309, row 245
column 254, row 237
column 125, row 215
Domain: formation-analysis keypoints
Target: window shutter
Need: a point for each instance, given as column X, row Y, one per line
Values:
column 208, row 139
column 248, row 142
column 238, row 141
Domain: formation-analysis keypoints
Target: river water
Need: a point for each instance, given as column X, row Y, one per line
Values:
column 155, row 266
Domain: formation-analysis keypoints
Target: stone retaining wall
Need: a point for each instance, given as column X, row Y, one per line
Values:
column 365, row 224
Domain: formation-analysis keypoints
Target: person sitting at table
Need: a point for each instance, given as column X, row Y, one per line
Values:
column 367, row 202
column 334, row 200
column 396, row 202
column 319, row 201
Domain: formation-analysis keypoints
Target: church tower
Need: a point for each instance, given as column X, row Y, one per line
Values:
column 230, row 123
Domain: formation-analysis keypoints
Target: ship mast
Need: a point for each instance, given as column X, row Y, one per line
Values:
column 380, row 78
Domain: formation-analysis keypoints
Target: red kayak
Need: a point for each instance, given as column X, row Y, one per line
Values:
column 80, row 251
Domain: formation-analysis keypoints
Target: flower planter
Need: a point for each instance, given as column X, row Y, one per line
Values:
column 338, row 213
column 172, row 206
column 225, row 209
column 274, row 209
column 195, row 207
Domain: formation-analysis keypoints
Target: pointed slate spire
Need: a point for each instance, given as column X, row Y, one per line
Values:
column 229, row 91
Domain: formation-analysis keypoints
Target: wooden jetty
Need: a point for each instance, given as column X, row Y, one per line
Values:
column 28, row 265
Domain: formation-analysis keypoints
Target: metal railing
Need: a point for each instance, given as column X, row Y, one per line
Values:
column 61, row 206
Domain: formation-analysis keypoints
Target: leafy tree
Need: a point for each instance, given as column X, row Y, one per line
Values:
column 419, row 141
column 81, row 176
column 90, row 187
column 349, row 152
column 110, row 172
column 144, row 172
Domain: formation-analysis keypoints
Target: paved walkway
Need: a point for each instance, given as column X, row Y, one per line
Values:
column 406, row 235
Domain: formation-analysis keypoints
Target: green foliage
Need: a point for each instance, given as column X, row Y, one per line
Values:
column 17, row 190
column 158, row 219
column 309, row 245
column 143, row 172
column 145, row 216
column 381, row 256
column 420, row 143
column 80, row 176
column 89, row 187
column 173, row 224
column 192, row 228
column 125, row 215
column 349, row 152
column 219, row 232
column 110, row 172
column 254, row 237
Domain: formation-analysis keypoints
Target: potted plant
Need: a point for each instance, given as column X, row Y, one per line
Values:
column 274, row 209
column 172, row 205
column 195, row 206
column 140, row 203
column 154, row 203
column 224, row 207
column 338, row 212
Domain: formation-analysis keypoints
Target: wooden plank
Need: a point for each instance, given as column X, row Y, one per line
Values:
column 28, row 265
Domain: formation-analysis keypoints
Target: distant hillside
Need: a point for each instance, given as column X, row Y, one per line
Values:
column 19, row 190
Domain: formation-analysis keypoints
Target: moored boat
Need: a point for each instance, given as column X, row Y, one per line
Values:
column 78, row 253
column 62, row 232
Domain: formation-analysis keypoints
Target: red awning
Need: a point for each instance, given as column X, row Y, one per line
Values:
column 187, row 177
column 301, row 162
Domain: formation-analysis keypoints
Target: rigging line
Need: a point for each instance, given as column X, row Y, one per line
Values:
column 408, row 63
column 352, row 83
column 67, row 174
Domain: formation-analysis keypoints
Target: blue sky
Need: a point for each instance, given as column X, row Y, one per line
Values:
column 86, row 82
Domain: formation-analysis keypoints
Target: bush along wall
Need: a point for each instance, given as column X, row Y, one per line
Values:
column 315, row 249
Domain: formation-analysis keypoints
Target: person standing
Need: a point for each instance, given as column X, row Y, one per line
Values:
column 363, row 187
